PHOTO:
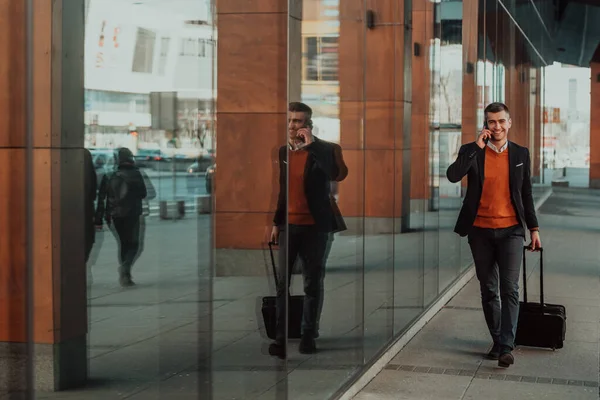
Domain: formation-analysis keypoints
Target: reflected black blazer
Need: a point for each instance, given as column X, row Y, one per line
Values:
column 323, row 165
column 471, row 162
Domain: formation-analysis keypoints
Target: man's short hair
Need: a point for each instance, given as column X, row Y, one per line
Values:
column 300, row 107
column 496, row 108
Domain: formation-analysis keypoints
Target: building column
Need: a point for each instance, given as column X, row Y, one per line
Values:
column 56, row 245
column 371, row 112
column 422, row 36
column 595, row 122
column 470, row 30
column 252, row 92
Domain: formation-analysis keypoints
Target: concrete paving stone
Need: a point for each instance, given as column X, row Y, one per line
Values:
column 225, row 385
column 436, row 370
column 529, row 379
column 97, row 389
column 582, row 331
column 583, row 314
column 577, row 360
column 452, row 339
column 310, row 385
column 403, row 385
column 145, row 362
column 513, row 378
column 489, row 389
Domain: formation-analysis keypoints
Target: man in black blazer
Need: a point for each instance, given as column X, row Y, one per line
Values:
column 497, row 208
column 305, row 219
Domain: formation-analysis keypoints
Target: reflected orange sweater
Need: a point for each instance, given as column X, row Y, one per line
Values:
column 298, row 211
column 495, row 206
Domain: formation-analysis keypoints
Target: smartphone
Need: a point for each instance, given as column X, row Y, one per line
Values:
column 485, row 126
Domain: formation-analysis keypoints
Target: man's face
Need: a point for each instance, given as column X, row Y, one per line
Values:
column 499, row 124
column 296, row 120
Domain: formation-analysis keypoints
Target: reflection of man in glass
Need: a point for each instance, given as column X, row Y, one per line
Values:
column 305, row 175
column 498, row 207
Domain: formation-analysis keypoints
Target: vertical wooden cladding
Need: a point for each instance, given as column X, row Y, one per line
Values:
column 59, row 311
column 422, row 37
column 13, row 242
column 371, row 70
column 252, row 75
column 470, row 29
column 12, row 78
column 252, row 69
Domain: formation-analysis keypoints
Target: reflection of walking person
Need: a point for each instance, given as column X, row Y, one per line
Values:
column 89, row 197
column 305, row 197
column 120, row 205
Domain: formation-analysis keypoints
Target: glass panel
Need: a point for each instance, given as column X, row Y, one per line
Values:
column 149, row 273
column 425, row 149
column 251, row 135
column 566, row 146
column 408, row 234
column 330, row 82
column 450, row 72
column 380, row 164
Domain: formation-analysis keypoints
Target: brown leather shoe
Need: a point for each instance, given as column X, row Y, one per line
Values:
column 506, row 359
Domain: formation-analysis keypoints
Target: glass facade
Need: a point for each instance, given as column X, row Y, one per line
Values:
column 398, row 85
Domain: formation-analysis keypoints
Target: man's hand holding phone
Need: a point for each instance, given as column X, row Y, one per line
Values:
column 305, row 136
column 483, row 138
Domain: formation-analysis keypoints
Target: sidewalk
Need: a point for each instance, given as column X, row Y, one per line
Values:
column 150, row 342
column 446, row 359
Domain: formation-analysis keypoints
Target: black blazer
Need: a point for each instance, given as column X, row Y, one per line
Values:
column 471, row 162
column 323, row 165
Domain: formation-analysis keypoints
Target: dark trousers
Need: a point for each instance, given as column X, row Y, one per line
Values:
column 127, row 231
column 497, row 254
column 310, row 245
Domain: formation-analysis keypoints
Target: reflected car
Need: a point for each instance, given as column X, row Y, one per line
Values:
column 150, row 158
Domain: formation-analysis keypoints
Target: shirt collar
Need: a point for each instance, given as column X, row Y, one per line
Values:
column 500, row 150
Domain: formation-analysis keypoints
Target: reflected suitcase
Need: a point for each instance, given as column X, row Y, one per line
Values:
column 540, row 324
column 269, row 309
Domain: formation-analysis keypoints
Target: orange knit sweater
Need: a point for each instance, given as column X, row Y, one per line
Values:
column 496, row 209
column 298, row 211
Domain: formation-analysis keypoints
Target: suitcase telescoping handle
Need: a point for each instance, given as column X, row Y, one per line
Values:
column 541, row 250
column 273, row 264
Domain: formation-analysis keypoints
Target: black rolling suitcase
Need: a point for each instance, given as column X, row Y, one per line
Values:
column 269, row 309
column 540, row 324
